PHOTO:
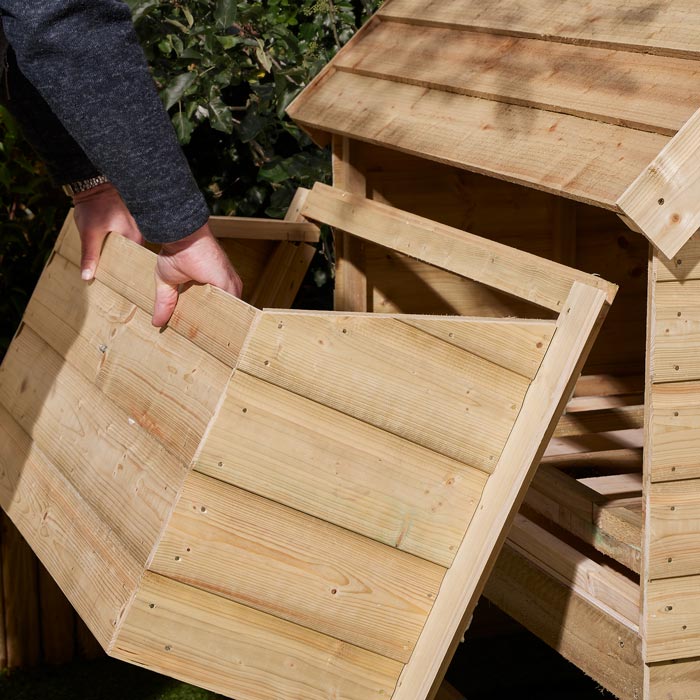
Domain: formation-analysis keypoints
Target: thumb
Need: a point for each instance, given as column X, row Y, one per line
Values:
column 90, row 249
column 165, row 301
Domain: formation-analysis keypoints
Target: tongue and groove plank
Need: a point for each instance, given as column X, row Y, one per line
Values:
column 167, row 384
column 219, row 644
column 636, row 25
column 298, row 568
column 631, row 89
column 414, row 385
column 125, row 475
column 578, row 158
column 312, row 458
column 212, row 319
column 521, row 274
column 91, row 565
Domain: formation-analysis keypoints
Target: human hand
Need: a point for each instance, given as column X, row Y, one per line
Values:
column 196, row 258
column 98, row 211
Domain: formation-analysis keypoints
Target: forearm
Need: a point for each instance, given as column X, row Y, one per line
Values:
column 83, row 57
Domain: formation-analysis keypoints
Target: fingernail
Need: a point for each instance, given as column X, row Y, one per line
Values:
column 86, row 274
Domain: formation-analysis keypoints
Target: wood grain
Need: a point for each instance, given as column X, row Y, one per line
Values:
column 244, row 228
column 339, row 469
column 228, row 648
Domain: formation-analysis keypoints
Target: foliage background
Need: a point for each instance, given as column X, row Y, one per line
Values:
column 226, row 71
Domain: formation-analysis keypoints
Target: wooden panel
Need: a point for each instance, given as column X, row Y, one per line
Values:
column 673, row 618
column 120, row 471
column 675, row 431
column 604, row 647
column 325, row 357
column 632, row 89
column 675, row 529
column 210, row 318
column 80, row 551
column 683, row 266
column 677, row 334
column 215, row 643
column 57, row 621
column 540, row 281
column 662, row 201
column 249, row 257
column 601, row 420
column 677, row 680
column 263, row 229
column 319, row 461
column 577, row 158
column 168, row 385
column 505, row 489
column 636, row 25
column 285, row 563
column 515, row 345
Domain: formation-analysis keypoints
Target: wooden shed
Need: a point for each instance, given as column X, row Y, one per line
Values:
column 568, row 130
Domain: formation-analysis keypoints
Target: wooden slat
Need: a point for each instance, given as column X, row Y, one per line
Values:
column 608, row 385
column 413, row 385
column 215, row 643
column 515, row 345
column 613, row 460
column 94, row 569
column 675, row 431
column 675, row 529
column 601, row 420
column 540, row 281
column 661, row 201
column 319, row 461
column 604, row 647
column 632, row 89
column 120, row 471
column 673, row 619
column 685, row 265
column 279, row 283
column 596, row 442
column 168, row 385
column 282, row 562
column 210, row 318
column 637, row 25
column 504, row 492
column 577, row 158
column 677, row 331
column 263, row 229
column 678, row 679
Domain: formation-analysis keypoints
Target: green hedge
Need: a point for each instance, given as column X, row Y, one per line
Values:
column 226, row 70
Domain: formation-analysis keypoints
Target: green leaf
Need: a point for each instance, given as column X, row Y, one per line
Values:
column 225, row 13
column 228, row 42
column 183, row 127
column 263, row 59
column 220, row 115
column 176, row 88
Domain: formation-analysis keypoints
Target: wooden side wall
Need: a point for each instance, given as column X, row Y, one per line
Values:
column 671, row 576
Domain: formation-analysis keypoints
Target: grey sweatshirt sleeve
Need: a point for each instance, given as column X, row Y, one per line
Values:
column 83, row 58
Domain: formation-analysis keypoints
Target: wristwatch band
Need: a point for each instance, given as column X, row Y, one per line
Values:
column 83, row 185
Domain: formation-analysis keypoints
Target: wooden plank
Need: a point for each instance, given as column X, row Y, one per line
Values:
column 351, row 292
column 279, row 283
column 673, row 619
column 569, row 156
column 95, row 571
column 615, row 485
column 637, row 90
column 613, row 460
column 667, row 29
column 675, row 431
column 661, row 200
column 413, row 385
column 210, row 318
column 596, row 442
column 288, row 564
column 245, row 228
column 540, row 281
column 228, row 648
column 515, row 345
column 605, row 648
column 685, row 265
column 677, row 680
column 126, row 476
column 606, row 588
column 314, row 459
column 608, row 385
column 168, row 385
column 675, row 529
column 20, row 588
column 503, row 494
column 57, row 622
column 600, row 420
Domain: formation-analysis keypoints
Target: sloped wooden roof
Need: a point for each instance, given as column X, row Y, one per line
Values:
column 593, row 101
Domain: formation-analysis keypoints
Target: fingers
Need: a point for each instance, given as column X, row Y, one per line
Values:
column 90, row 249
column 165, row 301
